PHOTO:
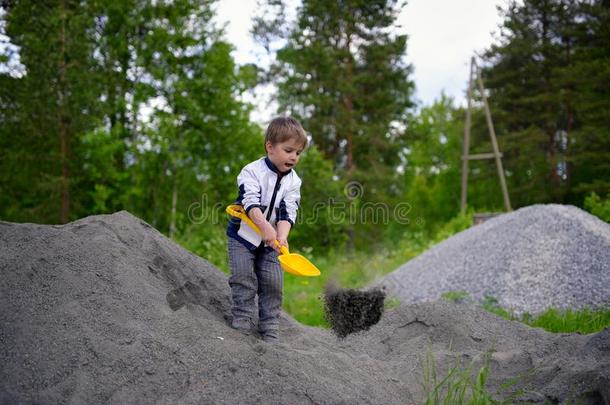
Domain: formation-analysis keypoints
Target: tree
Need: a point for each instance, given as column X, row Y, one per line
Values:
column 342, row 73
column 589, row 114
column 123, row 105
column 547, row 88
column 48, row 109
column 176, row 110
column 432, row 163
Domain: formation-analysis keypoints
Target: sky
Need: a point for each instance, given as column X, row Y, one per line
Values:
column 443, row 36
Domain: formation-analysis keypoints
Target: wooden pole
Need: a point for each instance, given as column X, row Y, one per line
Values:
column 494, row 142
column 466, row 142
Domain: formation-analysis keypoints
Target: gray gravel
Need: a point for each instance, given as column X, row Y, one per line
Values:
column 531, row 259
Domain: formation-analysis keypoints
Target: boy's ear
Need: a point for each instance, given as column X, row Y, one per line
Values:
column 268, row 146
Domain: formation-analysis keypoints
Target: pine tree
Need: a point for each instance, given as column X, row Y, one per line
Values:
column 540, row 84
column 589, row 104
column 342, row 73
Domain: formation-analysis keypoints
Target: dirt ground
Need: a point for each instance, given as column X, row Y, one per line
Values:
column 108, row 310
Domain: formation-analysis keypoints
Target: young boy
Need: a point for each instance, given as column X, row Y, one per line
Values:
column 269, row 190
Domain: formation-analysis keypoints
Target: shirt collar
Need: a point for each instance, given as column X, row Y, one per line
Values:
column 273, row 168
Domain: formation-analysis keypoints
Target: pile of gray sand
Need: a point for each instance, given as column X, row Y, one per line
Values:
column 108, row 310
column 529, row 260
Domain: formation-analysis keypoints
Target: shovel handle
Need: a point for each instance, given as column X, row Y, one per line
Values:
column 283, row 249
column 238, row 211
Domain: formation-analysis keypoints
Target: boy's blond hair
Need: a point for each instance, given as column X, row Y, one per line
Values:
column 281, row 129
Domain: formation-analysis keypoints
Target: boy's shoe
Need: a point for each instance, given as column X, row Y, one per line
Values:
column 270, row 337
column 242, row 325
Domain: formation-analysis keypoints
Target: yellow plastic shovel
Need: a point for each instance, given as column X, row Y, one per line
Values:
column 292, row 263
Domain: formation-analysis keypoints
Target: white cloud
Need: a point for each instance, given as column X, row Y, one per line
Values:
column 443, row 36
column 237, row 14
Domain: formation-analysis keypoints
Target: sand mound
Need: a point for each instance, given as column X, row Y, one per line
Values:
column 531, row 259
column 108, row 310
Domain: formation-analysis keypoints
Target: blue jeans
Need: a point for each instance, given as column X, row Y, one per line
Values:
column 252, row 273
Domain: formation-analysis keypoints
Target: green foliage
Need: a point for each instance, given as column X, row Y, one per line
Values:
column 123, row 105
column 459, row 223
column 302, row 297
column 106, row 180
column 568, row 321
column 320, row 227
column 553, row 320
column 491, row 304
column 547, row 78
column 342, row 73
column 598, row 206
column 210, row 243
column 455, row 296
column 46, row 109
column 460, row 385
column 432, row 164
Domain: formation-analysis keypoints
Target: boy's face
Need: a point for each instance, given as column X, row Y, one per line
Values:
column 284, row 155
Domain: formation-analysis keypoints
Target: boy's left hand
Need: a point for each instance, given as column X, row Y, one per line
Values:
column 283, row 227
column 282, row 242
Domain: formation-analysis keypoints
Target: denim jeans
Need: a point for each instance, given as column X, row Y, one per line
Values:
column 252, row 273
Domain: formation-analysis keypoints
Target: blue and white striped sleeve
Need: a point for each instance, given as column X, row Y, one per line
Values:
column 290, row 204
column 249, row 188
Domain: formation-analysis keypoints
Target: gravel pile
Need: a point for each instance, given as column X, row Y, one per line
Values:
column 531, row 259
column 106, row 310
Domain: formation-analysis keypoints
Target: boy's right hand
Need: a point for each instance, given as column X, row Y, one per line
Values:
column 268, row 232
column 269, row 235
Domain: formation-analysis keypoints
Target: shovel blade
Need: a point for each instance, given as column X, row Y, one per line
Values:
column 298, row 265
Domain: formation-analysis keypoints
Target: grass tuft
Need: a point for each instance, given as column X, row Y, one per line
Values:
column 455, row 296
column 461, row 385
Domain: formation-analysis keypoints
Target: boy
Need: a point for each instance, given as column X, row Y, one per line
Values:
column 269, row 190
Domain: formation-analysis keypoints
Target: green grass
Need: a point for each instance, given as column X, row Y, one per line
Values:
column 303, row 296
column 463, row 385
column 455, row 296
column 467, row 384
column 583, row 321
column 490, row 304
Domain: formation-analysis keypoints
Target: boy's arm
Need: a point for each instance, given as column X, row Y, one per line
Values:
column 269, row 234
column 250, row 193
column 249, row 189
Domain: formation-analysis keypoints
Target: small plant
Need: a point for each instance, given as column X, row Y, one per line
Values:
column 600, row 207
column 391, row 303
column 459, row 386
column 455, row 225
column 455, row 296
column 491, row 304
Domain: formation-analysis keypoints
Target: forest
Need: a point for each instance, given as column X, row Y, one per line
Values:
column 138, row 105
